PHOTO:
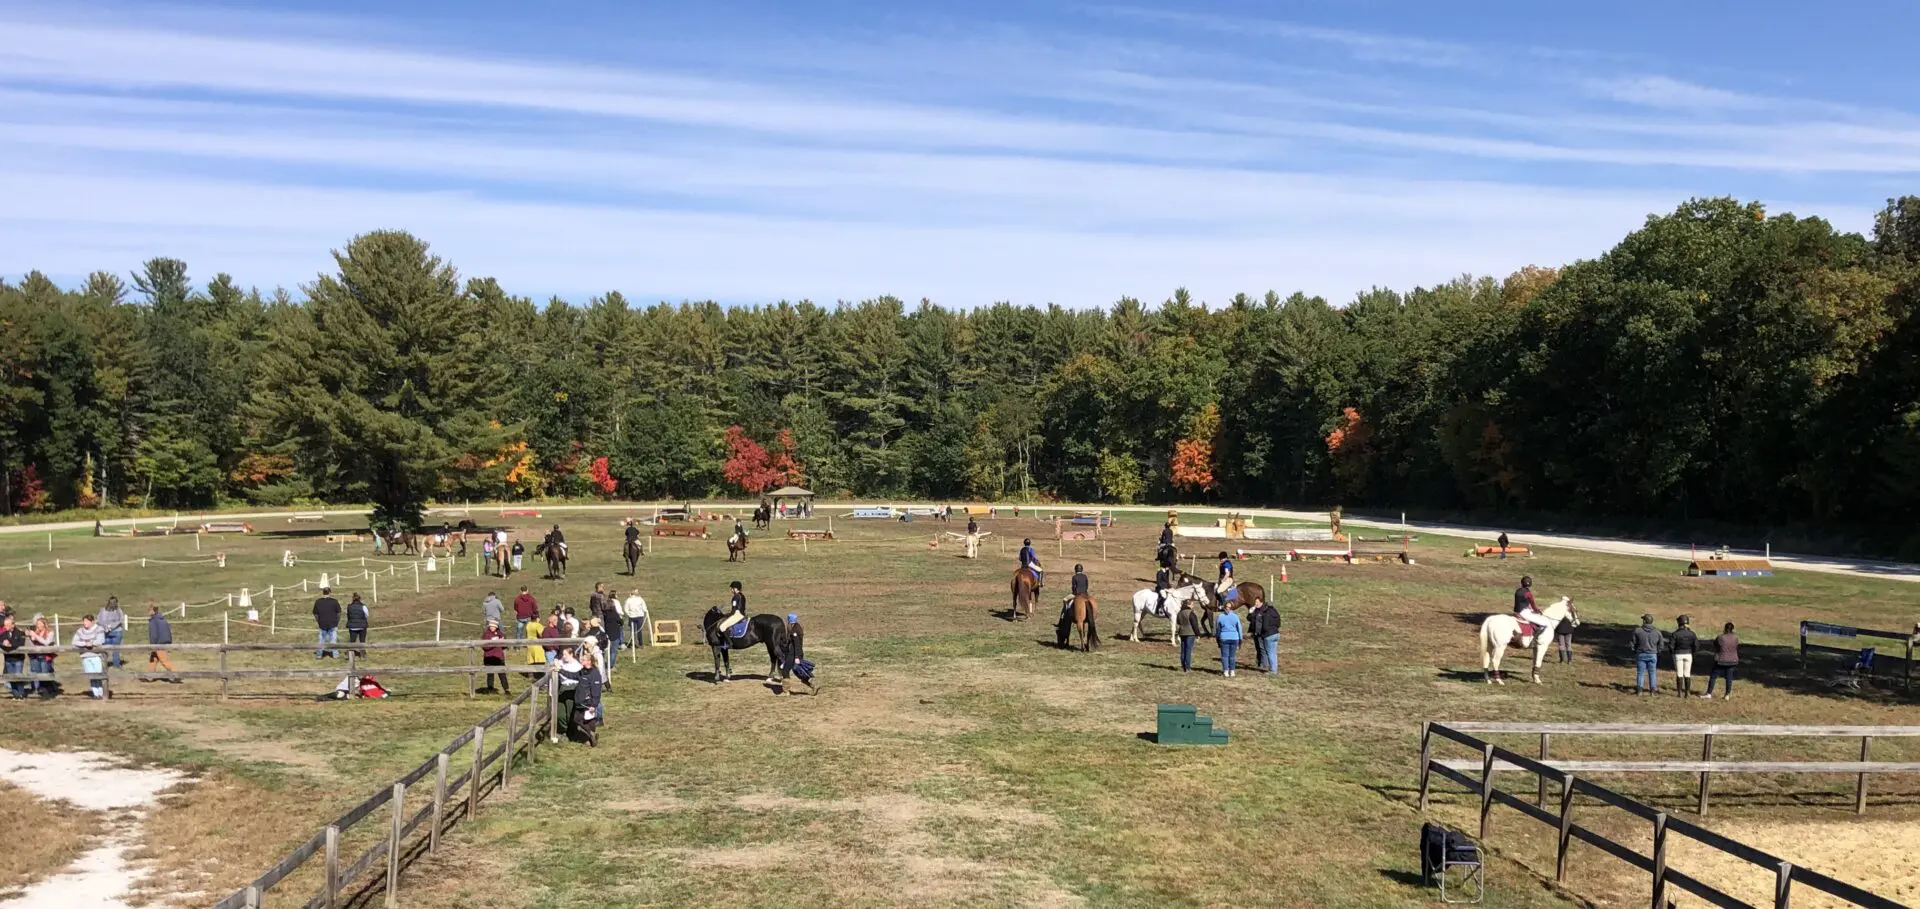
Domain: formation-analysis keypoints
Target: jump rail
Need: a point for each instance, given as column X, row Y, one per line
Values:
column 1909, row 642
column 1494, row 759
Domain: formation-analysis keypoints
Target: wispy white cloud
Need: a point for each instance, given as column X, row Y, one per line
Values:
column 1368, row 46
column 1674, row 94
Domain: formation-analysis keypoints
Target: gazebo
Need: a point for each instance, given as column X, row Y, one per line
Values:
column 801, row 499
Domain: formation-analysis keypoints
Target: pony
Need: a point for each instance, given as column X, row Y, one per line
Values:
column 763, row 517
column 406, row 540
column 556, row 560
column 764, row 628
column 1501, row 629
column 737, row 547
column 632, row 553
column 1079, row 616
column 1147, row 602
column 1025, row 586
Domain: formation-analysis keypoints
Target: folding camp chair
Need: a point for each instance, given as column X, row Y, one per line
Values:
column 1449, row 860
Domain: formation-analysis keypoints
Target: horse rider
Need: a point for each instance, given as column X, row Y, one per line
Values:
column 632, row 532
column 1030, row 560
column 556, row 539
column 737, row 607
column 1527, row 611
column 1226, row 577
column 1166, row 541
column 1079, row 588
column 973, row 526
column 446, row 531
column 739, row 532
column 1162, row 582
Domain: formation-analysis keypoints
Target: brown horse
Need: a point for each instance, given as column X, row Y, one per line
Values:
column 1246, row 594
column 1079, row 615
column 1025, row 587
column 737, row 548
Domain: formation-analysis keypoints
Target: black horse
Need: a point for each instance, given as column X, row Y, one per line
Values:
column 1168, row 556
column 763, row 517
column 633, row 552
column 556, row 560
column 764, row 628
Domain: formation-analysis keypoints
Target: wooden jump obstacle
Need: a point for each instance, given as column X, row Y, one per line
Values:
column 696, row 532
column 1723, row 567
column 1070, row 534
column 306, row 517
column 519, row 512
column 226, row 527
column 1907, row 642
column 666, row 633
column 1570, row 777
column 1484, row 551
column 809, row 534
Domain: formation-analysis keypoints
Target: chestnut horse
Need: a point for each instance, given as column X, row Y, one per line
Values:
column 1025, row 586
column 1079, row 616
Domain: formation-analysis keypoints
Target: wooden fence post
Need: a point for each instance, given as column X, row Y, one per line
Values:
column 1660, row 860
column 223, row 675
column 393, row 844
column 252, row 899
column 1706, row 754
column 1541, row 800
column 439, row 801
column 1486, row 789
column 332, row 895
column 473, row 780
column 1566, row 828
column 513, row 724
column 553, row 707
column 1783, row 886
column 1426, row 756
column 1860, row 787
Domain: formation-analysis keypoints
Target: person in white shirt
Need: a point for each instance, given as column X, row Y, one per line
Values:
column 635, row 610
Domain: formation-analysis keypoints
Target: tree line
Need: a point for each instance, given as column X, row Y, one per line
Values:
column 1718, row 363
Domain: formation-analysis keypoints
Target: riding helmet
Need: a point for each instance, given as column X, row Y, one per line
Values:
column 735, row 585
column 1079, row 568
column 1027, row 542
column 1526, row 581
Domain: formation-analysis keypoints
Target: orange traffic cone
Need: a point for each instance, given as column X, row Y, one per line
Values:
column 1283, row 572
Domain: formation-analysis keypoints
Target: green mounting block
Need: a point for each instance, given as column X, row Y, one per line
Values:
column 1180, row 725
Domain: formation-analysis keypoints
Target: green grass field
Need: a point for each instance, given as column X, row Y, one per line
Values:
column 952, row 757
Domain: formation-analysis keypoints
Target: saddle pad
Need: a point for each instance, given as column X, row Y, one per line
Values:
column 739, row 630
column 1232, row 595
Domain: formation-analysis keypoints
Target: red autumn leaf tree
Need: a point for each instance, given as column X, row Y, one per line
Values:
column 750, row 467
column 602, row 477
column 30, row 491
column 1192, row 464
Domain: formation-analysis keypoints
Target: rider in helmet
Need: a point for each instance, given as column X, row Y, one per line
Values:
column 1162, row 582
column 1030, row 560
column 633, row 531
column 1226, row 576
column 1079, row 588
column 557, row 539
column 1526, row 610
column 736, row 606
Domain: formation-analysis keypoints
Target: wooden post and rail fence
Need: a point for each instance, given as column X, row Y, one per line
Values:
column 1569, row 775
column 354, row 664
column 442, row 800
column 1908, row 641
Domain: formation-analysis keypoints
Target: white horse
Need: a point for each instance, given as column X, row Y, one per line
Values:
column 1503, row 629
column 1147, row 602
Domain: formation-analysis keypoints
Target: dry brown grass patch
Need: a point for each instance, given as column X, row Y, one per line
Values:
column 49, row 836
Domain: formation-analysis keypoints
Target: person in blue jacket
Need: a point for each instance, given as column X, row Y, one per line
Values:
column 1227, row 631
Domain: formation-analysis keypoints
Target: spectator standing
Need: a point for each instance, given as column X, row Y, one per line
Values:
column 1647, row 644
column 586, row 716
column 1226, row 631
column 519, row 556
column 536, row 655
column 1685, row 642
column 1726, row 658
column 1503, row 544
column 635, row 609
column 357, row 622
column 113, row 623
column 492, row 610
column 556, row 628
column 159, row 635
column 597, row 644
column 488, row 554
column 573, row 622
column 41, row 635
column 796, row 641
column 614, row 622
column 11, row 640
column 88, row 639
column 1186, row 624
column 597, row 601
column 1266, row 634
column 1563, row 639
column 495, row 656
column 525, row 609
column 326, row 617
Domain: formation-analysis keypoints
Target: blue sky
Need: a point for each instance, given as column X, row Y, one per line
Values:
column 1068, row 153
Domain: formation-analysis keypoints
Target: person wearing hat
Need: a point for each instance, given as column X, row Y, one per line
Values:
column 1226, row 576
column 1526, row 610
column 495, row 655
column 1647, row 644
column 1080, row 587
column 796, row 643
column 1685, row 642
column 737, row 607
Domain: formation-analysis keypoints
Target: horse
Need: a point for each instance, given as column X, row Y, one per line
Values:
column 1244, row 595
column 1502, row 629
column 737, row 547
column 632, row 553
column 765, row 628
column 1079, row 616
column 1147, row 602
column 763, row 517
column 1025, row 586
column 556, row 560
column 403, row 539
column 1167, row 556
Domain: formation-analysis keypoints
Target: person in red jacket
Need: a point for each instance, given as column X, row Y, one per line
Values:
column 495, row 656
column 525, row 609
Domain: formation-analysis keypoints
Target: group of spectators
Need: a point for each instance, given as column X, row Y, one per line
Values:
column 1684, row 643
column 585, row 671
column 96, row 640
